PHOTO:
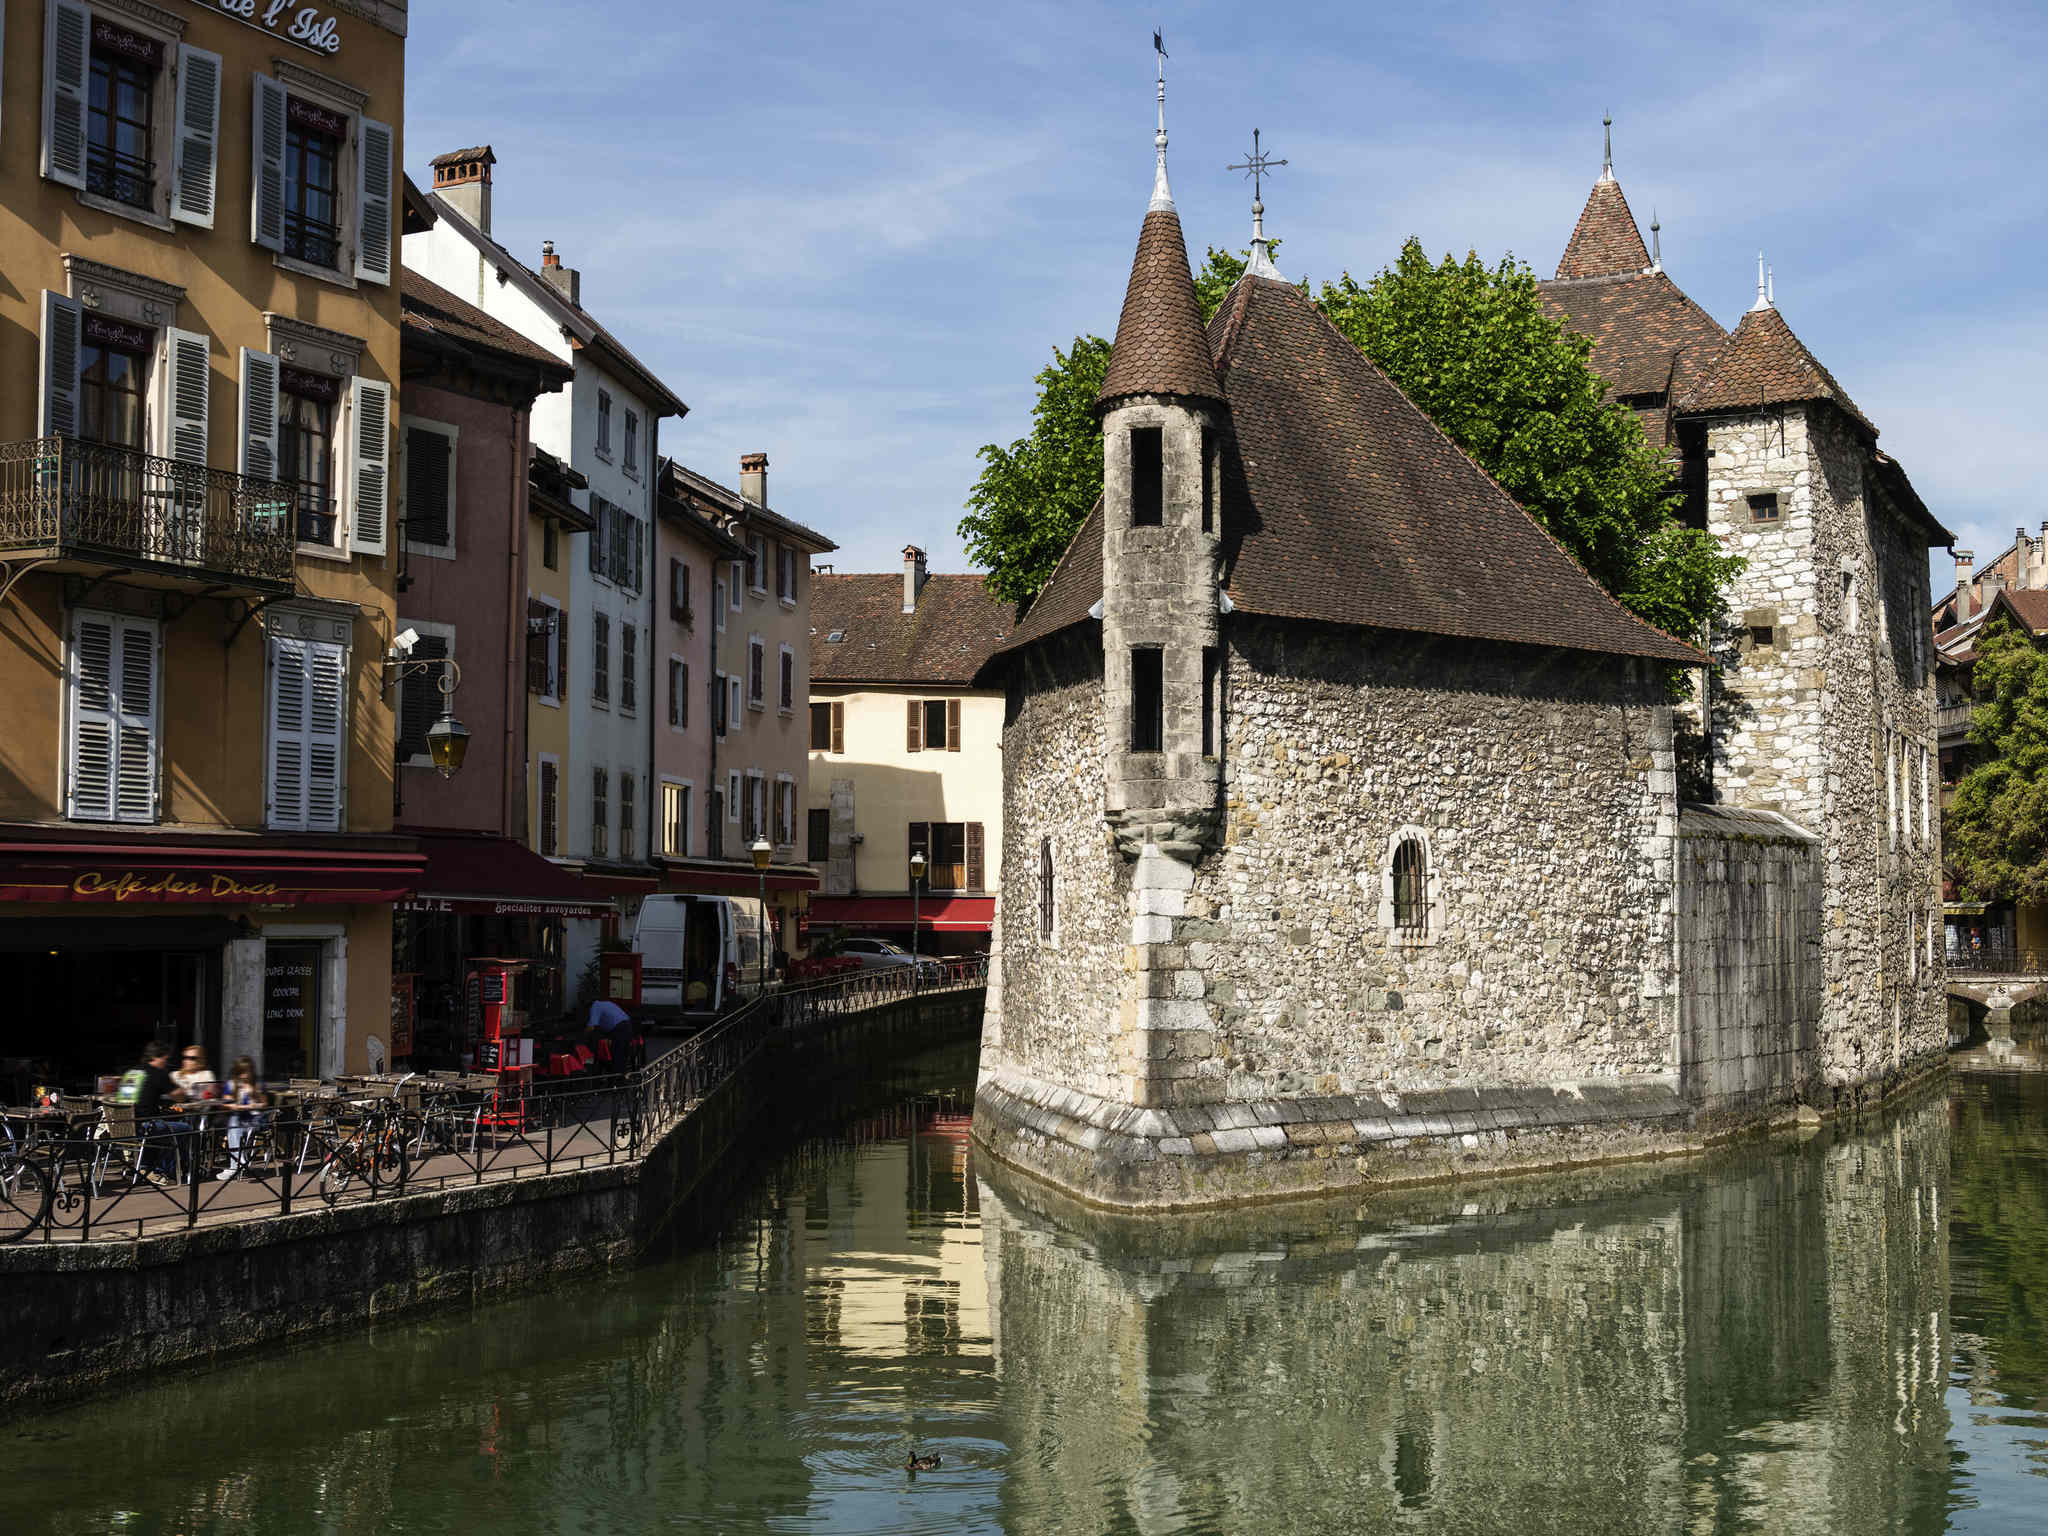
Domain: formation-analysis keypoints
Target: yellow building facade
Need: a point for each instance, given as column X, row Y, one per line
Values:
column 199, row 352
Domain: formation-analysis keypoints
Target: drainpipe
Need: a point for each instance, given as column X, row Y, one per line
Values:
column 657, row 655
column 514, row 774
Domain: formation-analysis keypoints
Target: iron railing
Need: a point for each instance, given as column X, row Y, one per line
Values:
column 67, row 498
column 70, row 1180
column 1997, row 960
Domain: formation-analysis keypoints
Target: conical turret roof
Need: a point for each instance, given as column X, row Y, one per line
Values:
column 1606, row 242
column 1160, row 346
column 1765, row 364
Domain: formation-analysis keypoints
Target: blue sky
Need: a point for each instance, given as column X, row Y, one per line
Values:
column 849, row 235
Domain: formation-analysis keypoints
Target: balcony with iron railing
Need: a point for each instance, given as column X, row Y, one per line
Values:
column 98, row 507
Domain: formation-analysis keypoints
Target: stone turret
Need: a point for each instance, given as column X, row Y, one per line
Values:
column 1163, row 423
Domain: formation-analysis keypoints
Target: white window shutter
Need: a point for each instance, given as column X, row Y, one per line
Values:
column 195, row 160
column 67, row 82
column 326, row 710
column 369, row 414
column 135, row 762
column 266, row 162
column 256, row 453
column 287, row 770
column 58, row 415
column 376, row 156
column 188, row 382
column 94, row 720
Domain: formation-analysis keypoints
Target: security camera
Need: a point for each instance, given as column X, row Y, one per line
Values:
column 406, row 640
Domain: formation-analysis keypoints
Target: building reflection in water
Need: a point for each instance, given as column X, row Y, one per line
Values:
column 1758, row 1341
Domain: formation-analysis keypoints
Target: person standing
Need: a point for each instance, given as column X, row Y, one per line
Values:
column 246, row 1100
column 148, row 1089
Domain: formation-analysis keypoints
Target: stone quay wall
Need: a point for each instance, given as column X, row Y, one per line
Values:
column 85, row 1316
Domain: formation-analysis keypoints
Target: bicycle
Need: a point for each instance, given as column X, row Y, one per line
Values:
column 24, row 1196
column 371, row 1154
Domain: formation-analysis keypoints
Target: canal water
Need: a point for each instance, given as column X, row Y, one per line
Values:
column 1845, row 1335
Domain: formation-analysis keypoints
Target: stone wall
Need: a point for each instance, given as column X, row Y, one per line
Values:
column 1750, row 968
column 1824, row 712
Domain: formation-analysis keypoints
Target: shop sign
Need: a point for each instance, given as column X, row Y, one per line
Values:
column 301, row 24
column 96, row 885
column 402, row 1003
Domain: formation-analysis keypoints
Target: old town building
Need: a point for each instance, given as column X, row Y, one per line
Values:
column 1342, row 829
column 199, row 343
column 906, row 756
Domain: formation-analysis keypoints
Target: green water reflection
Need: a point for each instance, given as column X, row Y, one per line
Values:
column 1845, row 1336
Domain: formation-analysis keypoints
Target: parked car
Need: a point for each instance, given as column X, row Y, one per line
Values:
column 880, row 954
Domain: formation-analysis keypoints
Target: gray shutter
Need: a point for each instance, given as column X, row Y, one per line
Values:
column 188, row 375
column 326, row 711
column 135, row 772
column 67, row 83
column 94, row 720
column 286, row 789
column 196, row 153
column 58, row 415
column 376, row 149
column 256, row 453
column 266, row 165
column 369, row 430
column 428, row 463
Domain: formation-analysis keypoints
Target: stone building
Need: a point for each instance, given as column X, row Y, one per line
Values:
column 1330, row 858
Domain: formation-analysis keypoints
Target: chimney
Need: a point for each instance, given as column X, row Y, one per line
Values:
column 754, row 478
column 1966, row 562
column 463, row 179
column 567, row 281
column 913, row 576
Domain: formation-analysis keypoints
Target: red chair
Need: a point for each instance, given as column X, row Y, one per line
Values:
column 604, row 1051
column 583, row 1056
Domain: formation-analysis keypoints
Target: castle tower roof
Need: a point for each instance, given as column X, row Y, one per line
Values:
column 1606, row 242
column 1765, row 364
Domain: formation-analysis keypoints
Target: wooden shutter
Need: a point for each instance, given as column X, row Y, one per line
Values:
column 266, row 163
column 256, row 453
column 838, row 727
column 188, row 376
column 781, row 573
column 540, row 646
column 429, row 482
column 326, row 748
column 195, row 158
column 369, row 414
column 913, row 726
column 920, row 842
column 952, row 725
column 287, row 786
column 786, row 698
column 375, row 148
column 677, row 604
column 974, row 857
column 595, row 541
column 562, row 656
column 550, row 809
column 58, row 416
column 67, row 83
column 113, row 665
column 420, row 697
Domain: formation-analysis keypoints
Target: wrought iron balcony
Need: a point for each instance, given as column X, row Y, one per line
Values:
column 91, row 505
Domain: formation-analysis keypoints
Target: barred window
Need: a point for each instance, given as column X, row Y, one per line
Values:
column 1411, row 886
column 1045, row 910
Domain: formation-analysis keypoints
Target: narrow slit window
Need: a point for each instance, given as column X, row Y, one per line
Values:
column 1411, row 887
column 1148, row 478
column 1208, row 479
column 1148, row 699
column 1212, row 701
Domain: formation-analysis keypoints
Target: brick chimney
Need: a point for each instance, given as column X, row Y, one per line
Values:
column 754, row 478
column 463, row 179
column 567, row 281
column 913, row 576
column 1966, row 562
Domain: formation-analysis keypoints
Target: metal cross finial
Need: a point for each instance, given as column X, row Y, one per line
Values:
column 1256, row 165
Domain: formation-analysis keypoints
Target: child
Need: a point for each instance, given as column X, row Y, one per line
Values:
column 246, row 1098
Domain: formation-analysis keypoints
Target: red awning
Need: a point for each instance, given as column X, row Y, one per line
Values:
column 942, row 914
column 690, row 877
column 83, row 865
column 497, row 877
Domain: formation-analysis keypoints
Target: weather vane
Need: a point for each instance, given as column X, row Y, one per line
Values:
column 1256, row 165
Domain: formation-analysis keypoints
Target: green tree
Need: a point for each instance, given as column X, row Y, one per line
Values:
column 1032, row 496
column 1471, row 345
column 1995, row 833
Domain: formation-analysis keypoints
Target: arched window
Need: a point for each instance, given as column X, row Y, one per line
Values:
column 1411, row 886
column 1045, row 888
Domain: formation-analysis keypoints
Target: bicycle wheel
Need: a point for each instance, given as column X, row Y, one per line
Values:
column 340, row 1173
column 24, row 1197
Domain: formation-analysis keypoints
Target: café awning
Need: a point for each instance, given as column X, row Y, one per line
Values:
column 940, row 914
column 78, row 864
column 691, row 877
column 496, row 877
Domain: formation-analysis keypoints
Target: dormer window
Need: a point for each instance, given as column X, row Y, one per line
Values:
column 1148, row 479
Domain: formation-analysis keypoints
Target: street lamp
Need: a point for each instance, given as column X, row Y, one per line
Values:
column 762, row 853
column 447, row 737
column 916, row 881
column 447, row 744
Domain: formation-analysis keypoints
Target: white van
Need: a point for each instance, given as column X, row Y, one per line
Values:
column 698, row 954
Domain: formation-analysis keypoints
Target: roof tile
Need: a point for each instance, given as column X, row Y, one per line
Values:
column 1606, row 241
column 957, row 626
column 1160, row 349
column 1765, row 364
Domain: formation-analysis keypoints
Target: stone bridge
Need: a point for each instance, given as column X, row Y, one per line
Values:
column 1998, row 994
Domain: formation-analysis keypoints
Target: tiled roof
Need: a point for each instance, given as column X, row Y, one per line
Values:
column 1606, row 241
column 1347, row 505
column 428, row 309
column 688, row 486
column 1765, row 364
column 956, row 627
column 1648, row 338
column 2029, row 606
column 1159, row 345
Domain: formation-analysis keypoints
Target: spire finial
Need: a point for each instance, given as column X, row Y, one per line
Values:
column 1162, row 195
column 1763, row 297
column 1656, row 241
column 1607, row 154
column 1771, row 286
column 1257, row 165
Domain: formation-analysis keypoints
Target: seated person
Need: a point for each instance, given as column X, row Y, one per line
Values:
column 147, row 1089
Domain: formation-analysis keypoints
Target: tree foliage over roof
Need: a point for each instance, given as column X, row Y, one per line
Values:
column 1995, row 832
